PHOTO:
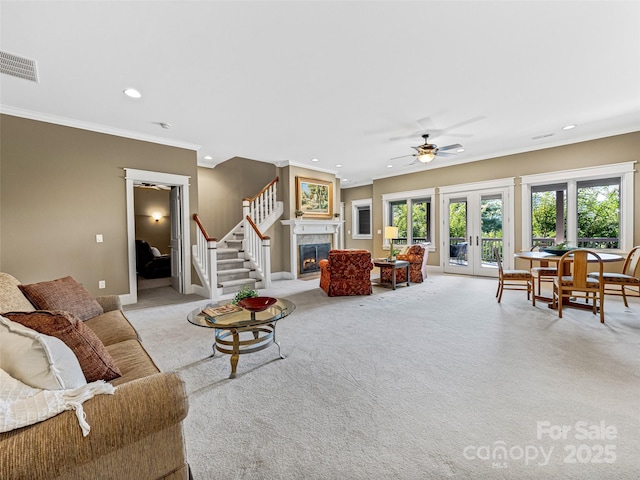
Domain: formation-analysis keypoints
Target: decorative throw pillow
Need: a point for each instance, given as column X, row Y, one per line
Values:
column 36, row 359
column 155, row 252
column 11, row 298
column 62, row 294
column 95, row 360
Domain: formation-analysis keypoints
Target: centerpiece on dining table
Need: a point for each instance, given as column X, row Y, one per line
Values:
column 558, row 249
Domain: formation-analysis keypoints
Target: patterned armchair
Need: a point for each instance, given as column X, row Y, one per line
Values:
column 417, row 258
column 346, row 272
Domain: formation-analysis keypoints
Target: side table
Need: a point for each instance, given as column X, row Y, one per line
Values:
column 383, row 264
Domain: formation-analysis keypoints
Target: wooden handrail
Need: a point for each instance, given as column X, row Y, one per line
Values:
column 261, row 191
column 255, row 229
column 202, row 229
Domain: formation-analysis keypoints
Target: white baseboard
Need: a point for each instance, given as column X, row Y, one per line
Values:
column 281, row 276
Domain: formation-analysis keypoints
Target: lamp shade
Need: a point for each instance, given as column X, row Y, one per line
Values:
column 390, row 232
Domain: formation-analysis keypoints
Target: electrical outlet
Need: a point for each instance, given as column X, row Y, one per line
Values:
column 102, row 284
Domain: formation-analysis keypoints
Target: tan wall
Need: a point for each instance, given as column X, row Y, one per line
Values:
column 348, row 196
column 61, row 186
column 221, row 190
column 156, row 233
column 610, row 150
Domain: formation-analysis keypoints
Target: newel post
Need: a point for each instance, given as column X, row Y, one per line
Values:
column 266, row 258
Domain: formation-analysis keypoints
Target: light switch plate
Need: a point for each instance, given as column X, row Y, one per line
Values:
column 99, row 238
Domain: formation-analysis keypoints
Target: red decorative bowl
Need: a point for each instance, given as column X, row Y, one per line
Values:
column 257, row 304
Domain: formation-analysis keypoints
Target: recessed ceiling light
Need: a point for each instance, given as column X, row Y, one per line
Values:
column 389, row 166
column 460, row 150
column 315, row 160
column 338, row 165
column 132, row 92
column 344, row 180
column 208, row 157
column 568, row 127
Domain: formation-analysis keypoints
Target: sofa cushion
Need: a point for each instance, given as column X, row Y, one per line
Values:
column 94, row 359
column 112, row 327
column 38, row 360
column 11, row 298
column 133, row 361
column 62, row 294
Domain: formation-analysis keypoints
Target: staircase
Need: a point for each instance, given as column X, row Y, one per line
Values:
column 234, row 271
column 242, row 257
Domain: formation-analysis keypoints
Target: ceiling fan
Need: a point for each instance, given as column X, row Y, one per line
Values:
column 428, row 151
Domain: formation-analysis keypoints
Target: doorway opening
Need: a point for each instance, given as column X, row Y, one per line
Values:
column 176, row 224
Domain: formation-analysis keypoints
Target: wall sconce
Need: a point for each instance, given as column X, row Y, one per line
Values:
column 156, row 216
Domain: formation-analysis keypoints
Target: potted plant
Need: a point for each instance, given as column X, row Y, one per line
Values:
column 299, row 213
column 245, row 292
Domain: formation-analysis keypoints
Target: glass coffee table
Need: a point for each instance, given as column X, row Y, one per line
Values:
column 249, row 331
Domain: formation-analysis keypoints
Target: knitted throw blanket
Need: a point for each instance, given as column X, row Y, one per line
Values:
column 22, row 405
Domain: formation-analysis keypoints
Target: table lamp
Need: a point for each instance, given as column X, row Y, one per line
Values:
column 390, row 233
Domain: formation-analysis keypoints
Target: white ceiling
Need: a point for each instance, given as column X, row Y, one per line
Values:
column 333, row 80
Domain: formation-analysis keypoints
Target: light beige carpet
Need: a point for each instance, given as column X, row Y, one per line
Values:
column 433, row 381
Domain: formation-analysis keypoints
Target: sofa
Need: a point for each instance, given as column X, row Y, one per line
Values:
column 135, row 432
column 346, row 272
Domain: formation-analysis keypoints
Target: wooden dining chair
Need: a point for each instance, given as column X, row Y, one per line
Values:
column 545, row 272
column 579, row 284
column 627, row 282
column 512, row 279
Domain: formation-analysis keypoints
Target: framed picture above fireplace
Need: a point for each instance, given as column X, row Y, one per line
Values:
column 314, row 197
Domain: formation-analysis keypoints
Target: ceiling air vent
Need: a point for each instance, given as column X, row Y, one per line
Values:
column 18, row 66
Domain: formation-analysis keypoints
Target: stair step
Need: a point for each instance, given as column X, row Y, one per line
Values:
column 236, row 244
column 233, row 286
column 234, row 274
column 230, row 264
column 227, row 253
column 239, row 236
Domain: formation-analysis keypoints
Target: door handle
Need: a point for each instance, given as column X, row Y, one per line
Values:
column 477, row 241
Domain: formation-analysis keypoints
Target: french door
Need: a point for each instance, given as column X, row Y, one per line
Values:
column 474, row 222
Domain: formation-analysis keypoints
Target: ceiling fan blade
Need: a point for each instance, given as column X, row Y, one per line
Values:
column 450, row 147
column 445, row 154
column 402, row 156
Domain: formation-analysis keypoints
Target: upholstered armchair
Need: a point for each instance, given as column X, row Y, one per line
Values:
column 346, row 272
column 416, row 255
column 149, row 265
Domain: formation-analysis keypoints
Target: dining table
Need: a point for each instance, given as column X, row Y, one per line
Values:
column 542, row 256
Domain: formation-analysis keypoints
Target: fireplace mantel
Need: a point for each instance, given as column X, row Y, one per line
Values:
column 309, row 227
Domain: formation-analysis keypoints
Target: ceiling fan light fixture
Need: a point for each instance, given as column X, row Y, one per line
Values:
column 426, row 157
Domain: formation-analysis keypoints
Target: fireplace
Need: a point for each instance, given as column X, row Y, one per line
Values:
column 310, row 256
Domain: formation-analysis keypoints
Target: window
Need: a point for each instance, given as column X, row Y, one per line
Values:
column 361, row 216
column 412, row 213
column 590, row 208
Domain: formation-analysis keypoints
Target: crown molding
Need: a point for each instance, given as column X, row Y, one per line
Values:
column 288, row 163
column 94, row 127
